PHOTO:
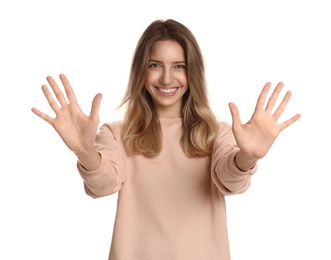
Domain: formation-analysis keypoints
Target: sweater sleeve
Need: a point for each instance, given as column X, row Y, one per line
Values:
column 110, row 175
column 227, row 177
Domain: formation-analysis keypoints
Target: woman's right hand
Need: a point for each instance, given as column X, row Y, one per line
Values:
column 77, row 130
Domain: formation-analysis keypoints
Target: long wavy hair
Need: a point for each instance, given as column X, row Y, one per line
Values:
column 141, row 130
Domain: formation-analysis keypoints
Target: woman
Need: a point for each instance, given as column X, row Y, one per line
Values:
column 171, row 162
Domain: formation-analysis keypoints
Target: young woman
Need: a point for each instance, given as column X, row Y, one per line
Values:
column 171, row 162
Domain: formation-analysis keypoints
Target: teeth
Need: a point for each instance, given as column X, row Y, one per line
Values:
column 167, row 90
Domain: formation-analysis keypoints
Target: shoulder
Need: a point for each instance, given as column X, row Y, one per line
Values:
column 225, row 133
column 224, row 126
column 113, row 128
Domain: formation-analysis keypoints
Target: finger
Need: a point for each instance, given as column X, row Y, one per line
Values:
column 273, row 98
column 42, row 115
column 68, row 89
column 280, row 109
column 95, row 107
column 236, row 122
column 289, row 122
column 58, row 93
column 50, row 99
column 262, row 97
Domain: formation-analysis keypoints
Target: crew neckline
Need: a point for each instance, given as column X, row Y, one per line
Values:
column 170, row 118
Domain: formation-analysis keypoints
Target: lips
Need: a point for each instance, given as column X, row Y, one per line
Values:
column 167, row 91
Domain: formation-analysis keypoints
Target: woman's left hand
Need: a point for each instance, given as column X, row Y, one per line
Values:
column 256, row 137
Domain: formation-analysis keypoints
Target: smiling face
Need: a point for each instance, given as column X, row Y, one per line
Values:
column 166, row 78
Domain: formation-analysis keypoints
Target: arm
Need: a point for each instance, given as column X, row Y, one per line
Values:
column 110, row 175
column 256, row 137
column 227, row 177
column 76, row 129
column 238, row 150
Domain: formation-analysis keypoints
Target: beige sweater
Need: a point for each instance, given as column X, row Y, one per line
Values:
column 171, row 207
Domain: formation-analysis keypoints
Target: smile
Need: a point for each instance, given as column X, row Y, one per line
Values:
column 167, row 91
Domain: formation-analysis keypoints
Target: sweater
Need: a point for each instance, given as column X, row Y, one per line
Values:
column 170, row 207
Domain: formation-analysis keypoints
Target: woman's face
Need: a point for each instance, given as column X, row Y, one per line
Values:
column 166, row 79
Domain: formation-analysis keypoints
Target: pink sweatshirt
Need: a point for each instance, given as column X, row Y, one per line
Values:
column 170, row 207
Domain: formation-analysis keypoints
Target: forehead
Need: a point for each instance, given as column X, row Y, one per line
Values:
column 167, row 49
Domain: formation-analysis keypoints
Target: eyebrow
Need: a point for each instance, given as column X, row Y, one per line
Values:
column 158, row 61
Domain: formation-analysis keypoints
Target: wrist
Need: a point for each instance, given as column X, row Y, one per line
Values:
column 244, row 162
column 90, row 159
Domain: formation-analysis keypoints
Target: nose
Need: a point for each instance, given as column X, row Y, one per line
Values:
column 166, row 76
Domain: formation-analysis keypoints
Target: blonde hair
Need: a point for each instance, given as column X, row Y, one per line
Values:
column 141, row 131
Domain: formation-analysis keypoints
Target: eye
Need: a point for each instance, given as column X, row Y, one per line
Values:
column 154, row 65
column 180, row 66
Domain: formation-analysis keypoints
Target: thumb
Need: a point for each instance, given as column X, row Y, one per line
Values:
column 94, row 114
column 236, row 122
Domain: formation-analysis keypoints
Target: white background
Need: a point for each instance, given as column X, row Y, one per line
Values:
column 45, row 213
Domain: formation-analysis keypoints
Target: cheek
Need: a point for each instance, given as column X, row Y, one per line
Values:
column 149, row 90
column 151, row 78
column 148, row 84
column 183, row 79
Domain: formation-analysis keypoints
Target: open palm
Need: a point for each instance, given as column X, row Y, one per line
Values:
column 256, row 137
column 76, row 129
